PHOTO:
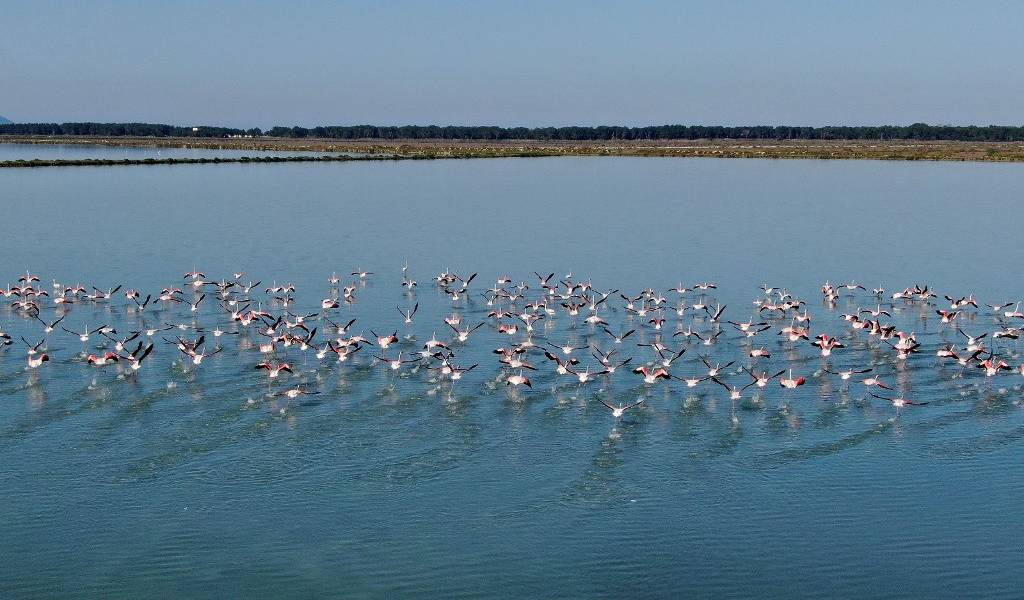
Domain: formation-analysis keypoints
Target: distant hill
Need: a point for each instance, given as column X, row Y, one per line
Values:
column 4, row 120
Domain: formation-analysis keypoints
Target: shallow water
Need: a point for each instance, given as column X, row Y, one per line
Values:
column 192, row 482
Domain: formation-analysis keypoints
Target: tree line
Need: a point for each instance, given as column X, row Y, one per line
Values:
column 122, row 130
column 917, row 131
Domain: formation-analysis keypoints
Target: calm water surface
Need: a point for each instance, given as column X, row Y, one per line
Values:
column 193, row 482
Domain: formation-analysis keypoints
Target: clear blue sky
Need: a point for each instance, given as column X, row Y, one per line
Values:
column 513, row 63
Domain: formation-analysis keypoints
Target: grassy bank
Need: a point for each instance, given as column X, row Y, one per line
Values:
column 101, row 162
column 450, row 149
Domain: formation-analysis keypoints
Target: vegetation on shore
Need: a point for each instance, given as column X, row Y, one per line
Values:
column 370, row 150
column 99, row 162
column 377, row 149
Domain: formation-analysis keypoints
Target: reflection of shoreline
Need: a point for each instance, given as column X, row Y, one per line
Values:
column 721, row 148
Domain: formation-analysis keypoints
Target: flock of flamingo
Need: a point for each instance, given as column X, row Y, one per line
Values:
column 652, row 332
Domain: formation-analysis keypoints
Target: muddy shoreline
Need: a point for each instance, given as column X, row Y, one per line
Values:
column 443, row 149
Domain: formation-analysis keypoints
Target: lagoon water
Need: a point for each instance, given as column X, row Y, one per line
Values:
column 193, row 483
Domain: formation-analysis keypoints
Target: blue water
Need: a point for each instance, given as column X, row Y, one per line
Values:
column 196, row 482
column 101, row 151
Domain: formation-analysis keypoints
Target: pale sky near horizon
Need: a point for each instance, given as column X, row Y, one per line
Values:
column 528, row 63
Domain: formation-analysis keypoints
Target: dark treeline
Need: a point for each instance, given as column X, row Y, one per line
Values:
column 917, row 131
column 121, row 130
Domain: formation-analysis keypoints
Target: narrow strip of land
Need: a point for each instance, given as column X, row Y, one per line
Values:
column 100, row 162
column 378, row 149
